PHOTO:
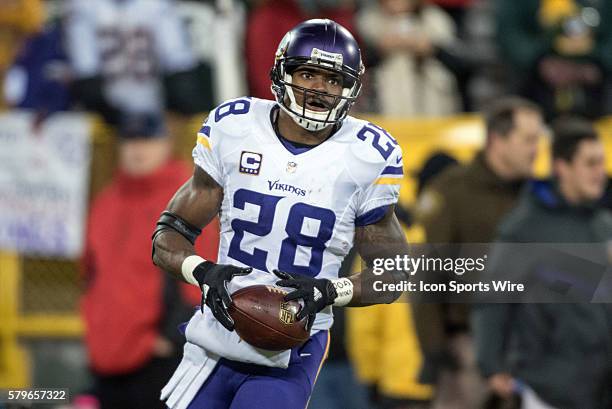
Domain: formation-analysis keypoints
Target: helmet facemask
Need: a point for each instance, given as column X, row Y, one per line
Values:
column 285, row 91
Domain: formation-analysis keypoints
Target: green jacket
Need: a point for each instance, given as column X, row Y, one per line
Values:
column 562, row 351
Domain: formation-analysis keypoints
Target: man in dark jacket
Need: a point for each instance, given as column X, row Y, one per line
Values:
column 561, row 353
column 464, row 204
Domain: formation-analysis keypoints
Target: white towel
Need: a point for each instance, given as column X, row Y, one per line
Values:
column 205, row 331
column 189, row 376
column 207, row 342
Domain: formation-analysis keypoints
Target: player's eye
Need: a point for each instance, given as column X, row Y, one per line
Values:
column 333, row 81
column 307, row 75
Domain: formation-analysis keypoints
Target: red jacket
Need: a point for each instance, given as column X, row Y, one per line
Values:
column 266, row 27
column 123, row 299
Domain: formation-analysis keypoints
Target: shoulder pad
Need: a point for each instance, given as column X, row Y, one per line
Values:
column 230, row 120
column 373, row 152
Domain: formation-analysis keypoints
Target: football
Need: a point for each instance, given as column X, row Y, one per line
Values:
column 265, row 320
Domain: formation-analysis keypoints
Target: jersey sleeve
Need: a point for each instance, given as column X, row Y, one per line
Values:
column 373, row 202
column 220, row 135
column 206, row 153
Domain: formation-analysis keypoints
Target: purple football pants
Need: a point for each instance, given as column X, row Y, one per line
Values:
column 237, row 385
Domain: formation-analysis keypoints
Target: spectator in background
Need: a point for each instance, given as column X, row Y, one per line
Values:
column 384, row 349
column 433, row 165
column 464, row 204
column 382, row 339
column 131, row 56
column 211, row 23
column 132, row 309
column 456, row 9
column 268, row 23
column 409, row 79
column 562, row 352
column 560, row 53
column 18, row 20
column 39, row 78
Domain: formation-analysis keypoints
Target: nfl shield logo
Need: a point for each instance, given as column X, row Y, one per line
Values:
column 291, row 167
column 286, row 313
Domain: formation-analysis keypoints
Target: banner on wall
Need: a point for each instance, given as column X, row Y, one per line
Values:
column 44, row 179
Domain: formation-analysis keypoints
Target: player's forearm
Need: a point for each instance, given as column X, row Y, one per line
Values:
column 170, row 250
column 193, row 206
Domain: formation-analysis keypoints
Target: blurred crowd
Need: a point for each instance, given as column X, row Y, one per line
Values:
column 134, row 61
column 423, row 57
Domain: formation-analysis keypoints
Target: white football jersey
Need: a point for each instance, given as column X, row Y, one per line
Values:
column 128, row 42
column 294, row 209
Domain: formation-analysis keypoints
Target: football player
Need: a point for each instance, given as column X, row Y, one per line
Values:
column 296, row 183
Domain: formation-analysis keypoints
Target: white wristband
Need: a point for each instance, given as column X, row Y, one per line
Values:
column 189, row 264
column 344, row 289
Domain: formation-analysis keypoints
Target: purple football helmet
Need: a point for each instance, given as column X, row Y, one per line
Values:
column 324, row 44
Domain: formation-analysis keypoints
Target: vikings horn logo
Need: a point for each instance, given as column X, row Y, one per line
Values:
column 282, row 47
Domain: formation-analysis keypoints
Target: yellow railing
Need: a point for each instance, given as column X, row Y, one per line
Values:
column 14, row 364
column 17, row 319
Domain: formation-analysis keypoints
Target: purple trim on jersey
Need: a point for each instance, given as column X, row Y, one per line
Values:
column 293, row 147
column 238, row 385
column 393, row 170
column 372, row 216
column 205, row 130
column 296, row 150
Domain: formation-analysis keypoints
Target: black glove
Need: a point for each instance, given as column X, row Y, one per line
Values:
column 213, row 279
column 317, row 294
